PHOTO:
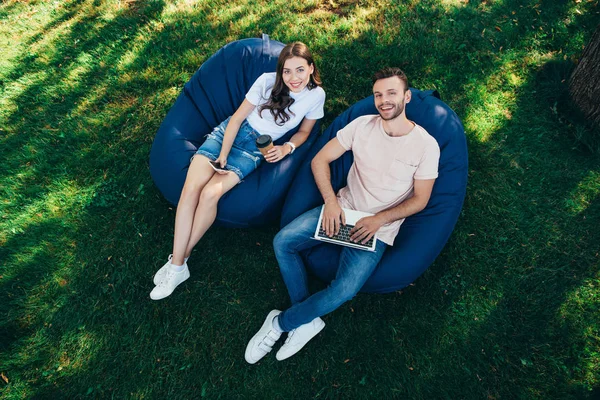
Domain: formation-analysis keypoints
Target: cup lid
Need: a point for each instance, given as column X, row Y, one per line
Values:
column 263, row 140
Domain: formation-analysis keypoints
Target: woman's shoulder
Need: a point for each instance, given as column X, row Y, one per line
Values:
column 267, row 78
column 317, row 94
column 318, row 91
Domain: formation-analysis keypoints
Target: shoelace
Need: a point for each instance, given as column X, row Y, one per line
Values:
column 165, row 279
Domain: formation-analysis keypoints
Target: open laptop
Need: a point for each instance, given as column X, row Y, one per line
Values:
column 343, row 236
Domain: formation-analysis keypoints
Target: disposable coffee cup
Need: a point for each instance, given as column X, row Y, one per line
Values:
column 264, row 144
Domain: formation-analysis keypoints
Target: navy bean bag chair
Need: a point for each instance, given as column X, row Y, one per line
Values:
column 214, row 93
column 421, row 236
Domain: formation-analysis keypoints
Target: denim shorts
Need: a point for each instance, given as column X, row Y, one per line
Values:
column 244, row 156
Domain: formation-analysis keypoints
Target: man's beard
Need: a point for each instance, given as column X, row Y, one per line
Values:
column 399, row 109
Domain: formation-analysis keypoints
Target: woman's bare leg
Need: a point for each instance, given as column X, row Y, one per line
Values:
column 199, row 174
column 206, row 211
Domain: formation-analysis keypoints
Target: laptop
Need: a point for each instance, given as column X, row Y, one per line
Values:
column 343, row 236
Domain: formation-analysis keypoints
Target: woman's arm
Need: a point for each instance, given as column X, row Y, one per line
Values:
column 232, row 129
column 278, row 152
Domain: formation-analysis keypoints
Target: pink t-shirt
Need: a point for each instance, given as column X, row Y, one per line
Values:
column 384, row 169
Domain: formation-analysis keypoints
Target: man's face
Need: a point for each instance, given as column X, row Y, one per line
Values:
column 390, row 97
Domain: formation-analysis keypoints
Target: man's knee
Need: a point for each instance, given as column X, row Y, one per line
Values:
column 345, row 290
column 283, row 239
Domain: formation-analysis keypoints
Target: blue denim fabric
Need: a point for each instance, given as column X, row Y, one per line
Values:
column 244, row 156
column 355, row 267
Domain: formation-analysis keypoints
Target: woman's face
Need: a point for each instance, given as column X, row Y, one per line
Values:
column 296, row 73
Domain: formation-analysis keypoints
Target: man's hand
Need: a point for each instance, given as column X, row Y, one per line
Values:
column 365, row 228
column 333, row 216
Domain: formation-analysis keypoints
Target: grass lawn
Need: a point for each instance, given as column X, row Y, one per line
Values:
column 510, row 309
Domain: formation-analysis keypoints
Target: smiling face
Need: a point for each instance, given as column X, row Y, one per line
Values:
column 296, row 73
column 390, row 97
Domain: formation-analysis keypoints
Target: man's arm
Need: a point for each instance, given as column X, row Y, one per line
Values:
column 366, row 227
column 333, row 214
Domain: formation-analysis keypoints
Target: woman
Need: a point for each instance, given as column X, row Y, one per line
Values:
column 276, row 103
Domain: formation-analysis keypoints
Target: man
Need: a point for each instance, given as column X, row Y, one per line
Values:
column 395, row 167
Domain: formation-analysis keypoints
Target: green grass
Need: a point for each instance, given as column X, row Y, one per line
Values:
column 510, row 309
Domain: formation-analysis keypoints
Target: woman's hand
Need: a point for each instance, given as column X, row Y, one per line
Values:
column 277, row 153
column 222, row 161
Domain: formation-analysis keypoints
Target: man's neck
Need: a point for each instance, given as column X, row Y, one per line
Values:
column 399, row 126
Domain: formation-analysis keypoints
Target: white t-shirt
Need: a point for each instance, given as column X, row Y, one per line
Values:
column 384, row 168
column 308, row 103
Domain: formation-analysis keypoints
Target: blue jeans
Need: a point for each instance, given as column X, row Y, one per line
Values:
column 355, row 267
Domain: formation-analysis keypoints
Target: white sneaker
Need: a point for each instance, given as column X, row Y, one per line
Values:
column 262, row 343
column 298, row 337
column 170, row 280
column 163, row 270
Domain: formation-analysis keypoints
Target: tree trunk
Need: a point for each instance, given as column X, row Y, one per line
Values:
column 584, row 85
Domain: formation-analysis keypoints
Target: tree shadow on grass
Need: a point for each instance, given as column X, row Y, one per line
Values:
column 193, row 342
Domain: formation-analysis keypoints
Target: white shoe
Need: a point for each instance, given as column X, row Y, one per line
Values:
column 163, row 270
column 170, row 280
column 262, row 343
column 298, row 337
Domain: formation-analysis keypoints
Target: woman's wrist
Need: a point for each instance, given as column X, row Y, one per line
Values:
column 291, row 146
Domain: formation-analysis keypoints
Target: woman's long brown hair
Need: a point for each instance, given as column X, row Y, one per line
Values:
column 280, row 99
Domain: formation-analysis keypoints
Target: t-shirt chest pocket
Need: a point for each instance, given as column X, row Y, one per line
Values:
column 402, row 171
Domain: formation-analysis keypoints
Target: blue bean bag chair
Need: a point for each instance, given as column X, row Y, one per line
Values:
column 421, row 236
column 214, row 93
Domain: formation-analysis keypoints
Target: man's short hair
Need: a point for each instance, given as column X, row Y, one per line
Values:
column 388, row 72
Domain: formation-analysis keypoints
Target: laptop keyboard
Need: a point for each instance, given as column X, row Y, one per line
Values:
column 344, row 236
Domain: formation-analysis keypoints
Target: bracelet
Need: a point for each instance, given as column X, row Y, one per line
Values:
column 292, row 146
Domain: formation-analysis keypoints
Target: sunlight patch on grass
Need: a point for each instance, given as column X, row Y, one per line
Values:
column 584, row 193
column 13, row 90
column 55, row 39
column 109, row 10
column 454, row 3
column 329, row 25
column 492, row 103
column 488, row 112
column 89, row 103
column 49, row 37
column 64, row 197
column 64, row 357
column 47, row 297
column 579, row 315
column 130, row 56
column 186, row 6
column 19, row 25
column 77, row 75
column 359, row 21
